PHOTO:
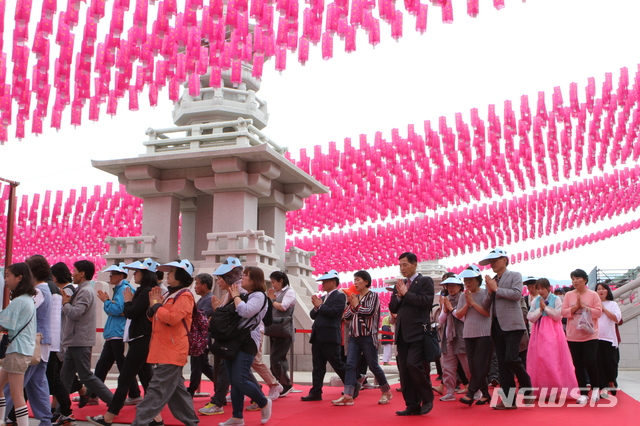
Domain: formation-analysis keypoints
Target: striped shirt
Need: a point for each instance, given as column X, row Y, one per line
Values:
column 365, row 318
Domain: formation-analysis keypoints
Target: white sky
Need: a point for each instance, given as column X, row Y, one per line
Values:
column 500, row 55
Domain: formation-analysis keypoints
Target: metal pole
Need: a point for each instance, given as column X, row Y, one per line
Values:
column 11, row 215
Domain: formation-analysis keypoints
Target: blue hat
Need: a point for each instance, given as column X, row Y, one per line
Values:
column 146, row 265
column 117, row 268
column 496, row 253
column 184, row 264
column 472, row 271
column 331, row 275
column 451, row 280
column 227, row 265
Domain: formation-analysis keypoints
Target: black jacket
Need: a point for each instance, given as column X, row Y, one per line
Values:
column 328, row 318
column 413, row 309
column 136, row 311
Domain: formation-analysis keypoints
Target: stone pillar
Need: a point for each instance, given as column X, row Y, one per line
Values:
column 160, row 218
column 204, row 224
column 188, row 210
column 272, row 220
column 234, row 211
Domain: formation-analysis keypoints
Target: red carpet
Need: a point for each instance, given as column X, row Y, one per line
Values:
column 366, row 411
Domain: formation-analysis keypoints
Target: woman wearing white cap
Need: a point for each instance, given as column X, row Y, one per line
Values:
column 169, row 348
column 138, row 335
column 476, row 333
column 453, row 348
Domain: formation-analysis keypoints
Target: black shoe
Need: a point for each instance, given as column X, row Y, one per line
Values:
column 84, row 400
column 154, row 423
column 311, row 398
column 466, row 400
column 98, row 421
column 408, row 412
column 356, row 390
column 426, row 408
column 483, row 401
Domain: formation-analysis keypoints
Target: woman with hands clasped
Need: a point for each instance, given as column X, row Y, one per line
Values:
column 582, row 308
column 608, row 354
column 363, row 314
column 476, row 333
column 453, row 345
column 170, row 317
column 549, row 360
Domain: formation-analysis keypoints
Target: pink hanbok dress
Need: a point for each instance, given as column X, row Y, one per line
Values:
column 549, row 362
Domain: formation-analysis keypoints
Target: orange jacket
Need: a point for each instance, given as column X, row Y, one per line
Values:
column 169, row 341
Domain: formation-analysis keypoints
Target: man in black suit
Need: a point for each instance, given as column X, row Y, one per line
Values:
column 412, row 300
column 326, row 334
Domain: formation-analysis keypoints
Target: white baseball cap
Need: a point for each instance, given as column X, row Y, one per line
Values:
column 451, row 280
column 146, row 265
column 226, row 266
column 331, row 275
column 496, row 253
column 117, row 268
column 184, row 264
column 472, row 271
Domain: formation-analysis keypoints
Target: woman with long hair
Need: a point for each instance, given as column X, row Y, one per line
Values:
column 138, row 330
column 252, row 311
column 608, row 352
column 18, row 320
column 582, row 308
column 548, row 342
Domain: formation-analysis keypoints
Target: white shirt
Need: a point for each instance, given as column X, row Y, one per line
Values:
column 289, row 298
column 606, row 327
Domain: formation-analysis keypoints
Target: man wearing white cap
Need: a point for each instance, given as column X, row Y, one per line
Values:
column 504, row 293
column 326, row 333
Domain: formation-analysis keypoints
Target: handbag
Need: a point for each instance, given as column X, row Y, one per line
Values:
column 37, row 352
column 280, row 327
column 5, row 342
column 229, row 337
column 585, row 323
column 431, row 341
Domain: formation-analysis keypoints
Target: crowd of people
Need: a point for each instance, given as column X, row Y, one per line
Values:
column 486, row 328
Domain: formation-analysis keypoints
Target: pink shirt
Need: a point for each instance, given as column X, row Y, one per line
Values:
column 590, row 299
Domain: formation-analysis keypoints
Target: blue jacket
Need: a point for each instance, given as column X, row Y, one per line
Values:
column 114, row 308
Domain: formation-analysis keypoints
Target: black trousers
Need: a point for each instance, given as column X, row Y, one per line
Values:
column 414, row 374
column 479, row 351
column 607, row 359
column 507, row 344
column 278, row 359
column 135, row 364
column 584, row 355
column 55, row 384
column 322, row 353
column 113, row 352
column 199, row 366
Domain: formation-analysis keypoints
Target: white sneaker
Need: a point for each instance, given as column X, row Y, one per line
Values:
column 604, row 394
column 266, row 411
column 582, row 400
column 253, row 407
column 232, row 421
column 477, row 395
column 210, row 409
column 274, row 391
column 595, row 396
column 448, row 397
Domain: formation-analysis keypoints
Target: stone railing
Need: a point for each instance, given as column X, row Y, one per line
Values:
column 298, row 262
column 244, row 134
column 628, row 297
column 226, row 95
column 129, row 249
column 252, row 247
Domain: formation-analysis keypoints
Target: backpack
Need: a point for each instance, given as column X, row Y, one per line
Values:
column 268, row 318
column 198, row 334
